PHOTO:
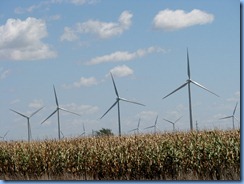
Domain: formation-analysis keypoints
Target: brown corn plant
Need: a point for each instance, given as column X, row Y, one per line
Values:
column 205, row 155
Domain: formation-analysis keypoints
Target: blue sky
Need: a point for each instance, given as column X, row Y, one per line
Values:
column 74, row 44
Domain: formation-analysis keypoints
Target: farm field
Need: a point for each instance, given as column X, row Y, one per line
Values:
column 204, row 155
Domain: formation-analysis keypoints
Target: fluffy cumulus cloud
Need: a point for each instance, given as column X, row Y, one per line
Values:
column 22, row 40
column 124, row 55
column 86, row 82
column 45, row 5
column 170, row 20
column 81, row 109
column 36, row 104
column 121, row 71
column 103, row 30
column 82, row 82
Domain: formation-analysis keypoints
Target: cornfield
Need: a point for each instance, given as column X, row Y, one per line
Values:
column 166, row 156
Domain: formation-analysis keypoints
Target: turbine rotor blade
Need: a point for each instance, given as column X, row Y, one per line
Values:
column 138, row 123
column 133, row 130
column 201, row 86
column 169, row 121
column 5, row 134
column 116, row 91
column 236, row 118
column 178, row 119
column 56, row 98
column 235, row 109
column 49, row 116
column 176, row 90
column 110, row 108
column 19, row 113
column 36, row 112
column 156, row 120
column 188, row 66
column 149, row 127
column 226, row 117
column 123, row 99
column 68, row 111
column 84, row 128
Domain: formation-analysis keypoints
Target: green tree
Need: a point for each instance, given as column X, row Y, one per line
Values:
column 104, row 132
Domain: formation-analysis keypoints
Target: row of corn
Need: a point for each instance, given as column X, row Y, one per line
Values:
column 206, row 155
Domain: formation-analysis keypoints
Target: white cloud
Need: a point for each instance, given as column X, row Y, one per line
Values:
column 4, row 73
column 81, row 2
column 103, row 30
column 85, row 82
column 81, row 109
column 170, row 20
column 124, row 55
column 21, row 40
column 45, row 5
column 36, row 104
column 54, row 17
column 69, row 35
column 147, row 115
column 121, row 71
column 235, row 97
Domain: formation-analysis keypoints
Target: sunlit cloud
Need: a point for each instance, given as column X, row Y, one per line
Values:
column 171, row 20
column 119, row 56
column 22, row 40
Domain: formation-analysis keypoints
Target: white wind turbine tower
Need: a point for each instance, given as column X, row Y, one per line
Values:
column 3, row 137
column 28, row 120
column 136, row 129
column 118, row 98
column 154, row 126
column 188, row 82
column 232, row 116
column 57, row 110
column 173, row 123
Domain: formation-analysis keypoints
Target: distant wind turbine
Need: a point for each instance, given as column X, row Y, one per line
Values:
column 28, row 120
column 62, row 134
column 117, row 102
column 154, row 126
column 173, row 123
column 197, row 126
column 188, row 82
column 57, row 110
column 136, row 129
column 84, row 131
column 232, row 116
column 3, row 137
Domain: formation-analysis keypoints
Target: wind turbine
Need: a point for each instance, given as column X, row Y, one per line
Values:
column 137, row 127
column 154, row 126
column 188, row 82
column 28, row 120
column 62, row 134
column 4, row 135
column 118, row 98
column 84, row 131
column 197, row 126
column 232, row 116
column 57, row 110
column 173, row 123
